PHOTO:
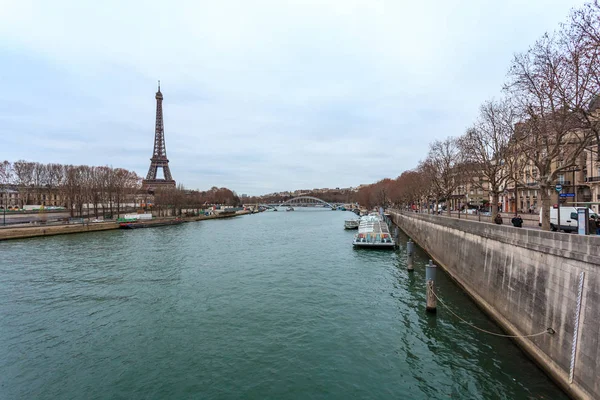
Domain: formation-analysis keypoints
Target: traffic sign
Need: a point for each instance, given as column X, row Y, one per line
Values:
column 558, row 187
column 566, row 194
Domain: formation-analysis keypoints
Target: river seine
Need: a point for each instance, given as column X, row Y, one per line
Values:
column 275, row 305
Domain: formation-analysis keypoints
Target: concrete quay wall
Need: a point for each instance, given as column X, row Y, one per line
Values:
column 527, row 280
column 50, row 230
column 29, row 231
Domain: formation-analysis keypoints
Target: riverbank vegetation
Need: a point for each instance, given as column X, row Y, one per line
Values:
column 102, row 190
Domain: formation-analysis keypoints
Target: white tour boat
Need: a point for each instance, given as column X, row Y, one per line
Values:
column 373, row 233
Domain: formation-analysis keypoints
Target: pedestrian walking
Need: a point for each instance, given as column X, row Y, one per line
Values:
column 498, row 219
column 517, row 221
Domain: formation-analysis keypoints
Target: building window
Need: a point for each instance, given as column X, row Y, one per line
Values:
column 561, row 178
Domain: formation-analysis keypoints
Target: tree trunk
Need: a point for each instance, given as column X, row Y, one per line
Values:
column 545, row 196
column 495, row 199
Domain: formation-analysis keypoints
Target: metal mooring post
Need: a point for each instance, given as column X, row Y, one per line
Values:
column 409, row 255
column 430, row 283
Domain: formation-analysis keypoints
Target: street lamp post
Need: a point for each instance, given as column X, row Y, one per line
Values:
column 574, row 187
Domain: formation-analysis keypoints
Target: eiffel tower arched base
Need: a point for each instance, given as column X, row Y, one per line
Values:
column 151, row 185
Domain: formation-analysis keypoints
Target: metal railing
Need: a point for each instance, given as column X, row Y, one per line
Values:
column 592, row 179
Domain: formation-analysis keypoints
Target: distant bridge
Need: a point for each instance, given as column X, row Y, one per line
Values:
column 301, row 201
column 306, row 201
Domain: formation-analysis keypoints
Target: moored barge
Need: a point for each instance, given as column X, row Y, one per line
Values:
column 149, row 223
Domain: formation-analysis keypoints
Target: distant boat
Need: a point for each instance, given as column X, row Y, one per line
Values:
column 351, row 224
column 289, row 209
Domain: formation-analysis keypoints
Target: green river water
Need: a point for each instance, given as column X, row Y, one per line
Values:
column 276, row 305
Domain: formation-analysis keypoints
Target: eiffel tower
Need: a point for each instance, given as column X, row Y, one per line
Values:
column 159, row 156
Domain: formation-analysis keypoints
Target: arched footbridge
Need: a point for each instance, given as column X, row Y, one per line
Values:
column 304, row 201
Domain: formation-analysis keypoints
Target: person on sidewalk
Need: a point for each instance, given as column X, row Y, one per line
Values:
column 517, row 221
column 592, row 225
column 498, row 219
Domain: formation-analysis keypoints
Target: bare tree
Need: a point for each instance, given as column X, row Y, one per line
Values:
column 443, row 167
column 39, row 180
column 6, row 173
column 55, row 178
column 7, row 176
column 578, row 80
column 551, row 135
column 485, row 147
column 24, row 179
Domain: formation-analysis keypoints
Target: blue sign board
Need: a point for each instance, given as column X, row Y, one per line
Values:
column 566, row 194
column 558, row 187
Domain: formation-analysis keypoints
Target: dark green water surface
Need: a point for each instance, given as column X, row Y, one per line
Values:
column 276, row 305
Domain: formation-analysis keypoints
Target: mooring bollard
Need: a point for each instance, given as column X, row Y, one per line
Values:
column 430, row 283
column 409, row 255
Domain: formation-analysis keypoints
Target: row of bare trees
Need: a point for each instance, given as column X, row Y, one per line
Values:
column 547, row 116
column 173, row 201
column 73, row 186
column 95, row 190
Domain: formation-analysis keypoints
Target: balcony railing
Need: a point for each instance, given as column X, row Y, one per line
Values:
column 531, row 183
column 592, row 179
column 565, row 183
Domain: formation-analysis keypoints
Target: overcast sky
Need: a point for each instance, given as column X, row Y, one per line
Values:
column 259, row 96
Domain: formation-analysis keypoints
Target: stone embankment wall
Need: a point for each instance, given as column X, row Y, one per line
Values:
column 49, row 230
column 28, row 231
column 527, row 280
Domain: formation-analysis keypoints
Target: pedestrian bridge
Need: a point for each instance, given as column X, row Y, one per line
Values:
column 304, row 201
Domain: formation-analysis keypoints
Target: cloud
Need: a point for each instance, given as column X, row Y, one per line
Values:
column 259, row 96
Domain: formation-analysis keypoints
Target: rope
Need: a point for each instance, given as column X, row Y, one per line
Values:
column 549, row 330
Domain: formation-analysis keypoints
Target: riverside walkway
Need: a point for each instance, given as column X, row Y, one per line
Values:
column 530, row 221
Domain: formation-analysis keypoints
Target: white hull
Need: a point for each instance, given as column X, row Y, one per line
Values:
column 377, row 245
